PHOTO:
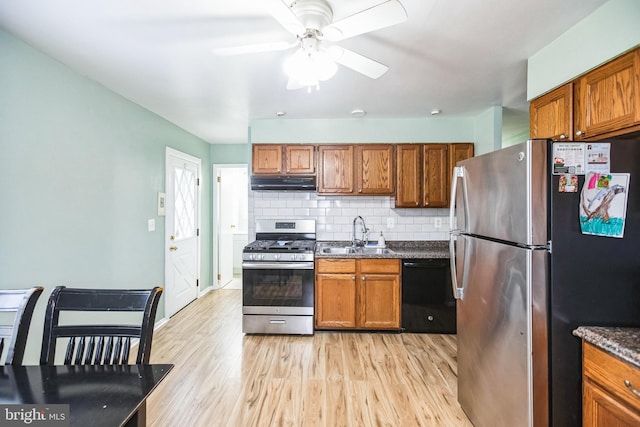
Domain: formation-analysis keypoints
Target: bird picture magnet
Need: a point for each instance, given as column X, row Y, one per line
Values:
column 603, row 204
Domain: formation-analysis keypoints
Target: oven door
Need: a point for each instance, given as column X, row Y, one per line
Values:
column 277, row 288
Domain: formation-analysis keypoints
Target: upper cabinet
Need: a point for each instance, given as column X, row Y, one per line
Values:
column 551, row 115
column 608, row 98
column 601, row 103
column 335, row 169
column 365, row 169
column 424, row 173
column 374, row 167
column 278, row 159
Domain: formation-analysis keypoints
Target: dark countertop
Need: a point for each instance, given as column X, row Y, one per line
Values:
column 621, row 342
column 401, row 249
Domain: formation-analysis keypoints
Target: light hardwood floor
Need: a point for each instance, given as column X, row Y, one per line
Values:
column 225, row 378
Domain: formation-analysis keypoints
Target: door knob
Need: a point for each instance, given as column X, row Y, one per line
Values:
column 173, row 248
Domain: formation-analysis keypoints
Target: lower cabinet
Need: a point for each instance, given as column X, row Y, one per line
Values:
column 357, row 293
column 611, row 390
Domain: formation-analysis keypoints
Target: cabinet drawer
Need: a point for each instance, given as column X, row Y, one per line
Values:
column 612, row 374
column 378, row 265
column 334, row 265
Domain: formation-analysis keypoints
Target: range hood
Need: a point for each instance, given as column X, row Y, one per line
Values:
column 283, row 183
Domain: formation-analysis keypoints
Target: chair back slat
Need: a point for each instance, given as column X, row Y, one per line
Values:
column 21, row 302
column 103, row 344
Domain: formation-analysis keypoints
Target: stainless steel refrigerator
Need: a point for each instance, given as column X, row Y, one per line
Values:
column 524, row 277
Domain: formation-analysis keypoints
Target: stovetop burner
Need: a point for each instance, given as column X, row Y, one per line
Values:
column 281, row 245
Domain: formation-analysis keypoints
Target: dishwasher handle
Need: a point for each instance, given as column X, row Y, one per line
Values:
column 428, row 263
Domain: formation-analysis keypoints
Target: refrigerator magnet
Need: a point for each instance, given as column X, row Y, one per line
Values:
column 568, row 158
column 568, row 183
column 603, row 204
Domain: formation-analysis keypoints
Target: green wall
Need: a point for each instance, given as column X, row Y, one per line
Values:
column 431, row 129
column 611, row 29
column 81, row 169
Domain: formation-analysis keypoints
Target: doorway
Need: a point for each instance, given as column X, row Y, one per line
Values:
column 231, row 210
column 182, row 230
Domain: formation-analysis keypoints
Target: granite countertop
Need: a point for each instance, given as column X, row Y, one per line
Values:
column 400, row 249
column 621, row 342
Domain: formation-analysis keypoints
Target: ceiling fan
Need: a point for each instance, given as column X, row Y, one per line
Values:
column 311, row 22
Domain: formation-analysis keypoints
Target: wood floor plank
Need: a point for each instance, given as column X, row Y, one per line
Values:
column 225, row 378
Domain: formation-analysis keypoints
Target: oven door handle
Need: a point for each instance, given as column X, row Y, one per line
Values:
column 277, row 265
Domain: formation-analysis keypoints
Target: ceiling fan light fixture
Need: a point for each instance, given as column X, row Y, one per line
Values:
column 310, row 64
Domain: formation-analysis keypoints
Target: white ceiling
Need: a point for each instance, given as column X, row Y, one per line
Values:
column 459, row 56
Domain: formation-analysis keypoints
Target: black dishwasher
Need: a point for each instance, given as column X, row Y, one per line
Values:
column 428, row 304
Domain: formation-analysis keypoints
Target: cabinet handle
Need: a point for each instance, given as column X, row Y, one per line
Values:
column 426, row 203
column 563, row 136
column 631, row 388
column 579, row 133
column 363, row 278
column 353, row 277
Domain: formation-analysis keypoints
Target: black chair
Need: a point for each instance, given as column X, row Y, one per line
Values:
column 21, row 302
column 99, row 344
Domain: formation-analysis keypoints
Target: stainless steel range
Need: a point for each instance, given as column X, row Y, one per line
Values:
column 278, row 278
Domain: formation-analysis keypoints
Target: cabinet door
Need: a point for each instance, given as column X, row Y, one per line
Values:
column 551, row 115
column 335, row 300
column 600, row 409
column 300, row 159
column 435, row 169
column 379, row 301
column 335, row 169
column 608, row 98
column 375, row 169
column 266, row 159
column 409, row 176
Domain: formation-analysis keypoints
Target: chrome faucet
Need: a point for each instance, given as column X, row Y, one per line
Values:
column 365, row 231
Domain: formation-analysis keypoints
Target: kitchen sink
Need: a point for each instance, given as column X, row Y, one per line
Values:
column 342, row 251
column 351, row 250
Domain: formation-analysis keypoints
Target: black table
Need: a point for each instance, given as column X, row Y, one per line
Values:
column 97, row 395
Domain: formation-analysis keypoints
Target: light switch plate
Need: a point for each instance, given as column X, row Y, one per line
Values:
column 151, row 225
column 437, row 223
column 391, row 222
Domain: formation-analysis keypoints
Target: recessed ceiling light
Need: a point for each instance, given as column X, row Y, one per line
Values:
column 281, row 113
column 435, row 112
column 358, row 113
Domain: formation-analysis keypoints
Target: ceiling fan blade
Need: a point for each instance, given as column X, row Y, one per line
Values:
column 253, row 48
column 357, row 62
column 389, row 13
column 284, row 14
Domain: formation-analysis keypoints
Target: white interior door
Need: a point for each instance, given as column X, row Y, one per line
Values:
column 231, row 217
column 182, row 230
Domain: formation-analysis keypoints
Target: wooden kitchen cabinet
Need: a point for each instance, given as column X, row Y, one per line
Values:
column 601, row 103
column 607, row 395
column 354, row 169
column 607, row 99
column 335, row 169
column 551, row 115
column 357, row 293
column 283, row 159
column 374, row 167
column 424, row 173
column 435, row 169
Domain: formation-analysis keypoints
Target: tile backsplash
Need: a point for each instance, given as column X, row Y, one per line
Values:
column 334, row 215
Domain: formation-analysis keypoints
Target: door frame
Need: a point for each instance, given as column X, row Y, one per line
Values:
column 215, row 211
column 172, row 152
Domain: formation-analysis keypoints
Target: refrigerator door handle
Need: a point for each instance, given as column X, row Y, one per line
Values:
column 452, row 200
column 458, row 173
column 457, row 291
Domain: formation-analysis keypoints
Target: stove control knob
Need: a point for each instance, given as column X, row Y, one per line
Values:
column 260, row 257
column 294, row 257
column 276, row 257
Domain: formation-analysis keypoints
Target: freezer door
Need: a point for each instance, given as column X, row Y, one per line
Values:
column 502, row 195
column 501, row 304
